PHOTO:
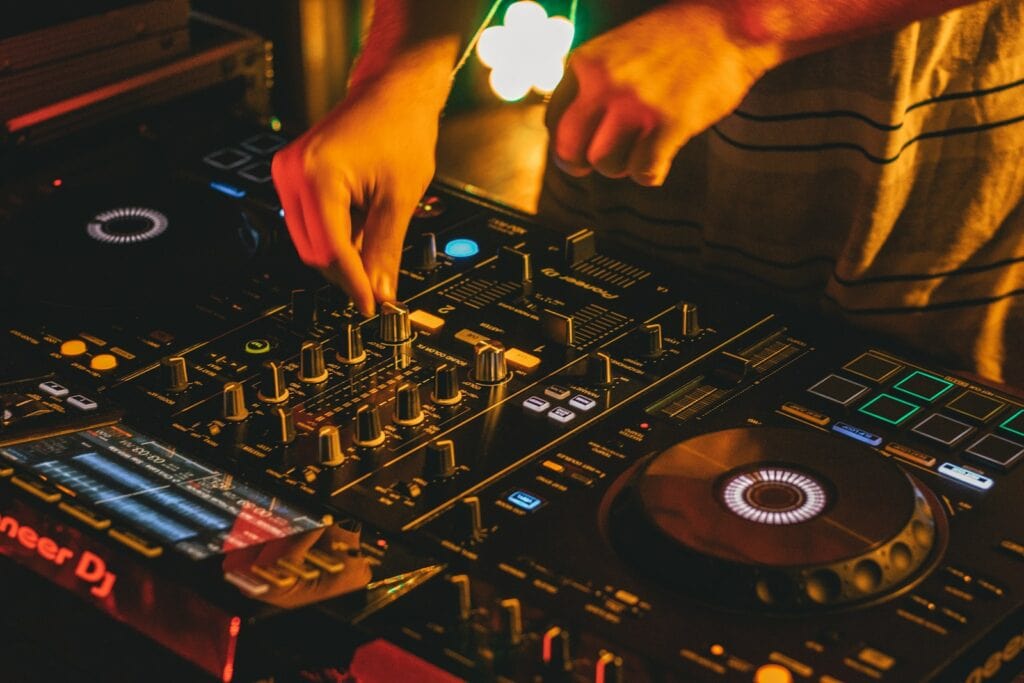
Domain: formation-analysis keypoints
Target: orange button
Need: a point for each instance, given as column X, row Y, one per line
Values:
column 103, row 362
column 73, row 347
column 773, row 673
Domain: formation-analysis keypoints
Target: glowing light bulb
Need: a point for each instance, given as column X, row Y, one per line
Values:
column 526, row 53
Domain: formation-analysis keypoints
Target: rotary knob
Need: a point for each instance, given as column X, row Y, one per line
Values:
column 329, row 446
column 469, row 521
column 651, row 340
column 368, row 432
column 514, row 265
column 510, row 618
column 311, row 363
column 461, row 597
column 599, row 369
column 395, row 326
column 609, row 668
column 489, row 365
column 304, row 306
column 446, row 385
column 556, row 650
column 272, row 385
column 689, row 323
column 235, row 409
column 408, row 410
column 350, row 345
column 284, row 425
column 175, row 373
column 425, row 252
column 439, row 460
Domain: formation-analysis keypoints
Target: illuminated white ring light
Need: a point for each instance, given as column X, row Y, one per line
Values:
column 738, row 496
column 99, row 227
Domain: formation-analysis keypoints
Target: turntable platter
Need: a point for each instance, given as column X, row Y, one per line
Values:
column 777, row 519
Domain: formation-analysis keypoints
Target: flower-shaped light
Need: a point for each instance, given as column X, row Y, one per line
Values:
column 526, row 53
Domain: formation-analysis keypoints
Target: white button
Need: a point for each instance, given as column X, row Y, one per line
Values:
column 581, row 402
column 535, row 404
column 54, row 389
column 560, row 414
column 82, row 402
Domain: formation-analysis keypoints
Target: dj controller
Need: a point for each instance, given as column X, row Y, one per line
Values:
column 552, row 459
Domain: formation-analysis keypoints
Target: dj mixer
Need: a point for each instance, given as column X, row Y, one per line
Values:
column 552, row 459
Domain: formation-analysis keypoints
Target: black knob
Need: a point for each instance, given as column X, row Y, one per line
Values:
column 235, row 409
column 555, row 650
column 369, row 433
column 350, row 345
column 651, row 340
column 395, row 326
column 284, row 425
column 580, row 246
column 425, row 252
column 557, row 327
column 329, row 446
column 514, row 265
column 599, row 369
column 303, row 309
column 689, row 324
column 408, row 410
column 446, row 385
column 175, row 373
column 439, row 459
column 468, row 518
column 609, row 668
column 461, row 599
column 311, row 363
column 510, row 617
column 489, row 366
column 272, row 385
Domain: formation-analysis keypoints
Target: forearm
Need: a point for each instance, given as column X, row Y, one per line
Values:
column 416, row 41
column 802, row 26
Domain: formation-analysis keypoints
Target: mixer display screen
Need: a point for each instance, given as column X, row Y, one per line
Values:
column 140, row 481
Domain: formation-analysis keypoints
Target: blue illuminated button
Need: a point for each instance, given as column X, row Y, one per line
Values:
column 922, row 385
column 560, row 414
column 1015, row 423
column 857, row 433
column 229, row 190
column 462, row 248
column 535, row 404
column 524, row 501
column 889, row 409
column 581, row 402
column 965, row 476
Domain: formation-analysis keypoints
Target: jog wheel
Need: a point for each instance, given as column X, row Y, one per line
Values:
column 777, row 520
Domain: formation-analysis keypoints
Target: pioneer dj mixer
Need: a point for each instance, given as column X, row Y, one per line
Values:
column 552, row 459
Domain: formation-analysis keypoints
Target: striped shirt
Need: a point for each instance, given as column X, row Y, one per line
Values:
column 881, row 181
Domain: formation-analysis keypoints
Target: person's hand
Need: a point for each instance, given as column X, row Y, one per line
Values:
column 350, row 184
column 632, row 97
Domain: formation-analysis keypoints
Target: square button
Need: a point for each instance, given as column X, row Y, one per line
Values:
column 943, row 429
column 923, row 386
column 535, row 404
column 976, row 406
column 581, row 402
column 873, row 367
column 1015, row 423
column 556, row 392
column 995, row 450
column 257, row 173
column 264, row 143
column 226, row 158
column 838, row 389
column 54, row 389
column 889, row 409
column 562, row 415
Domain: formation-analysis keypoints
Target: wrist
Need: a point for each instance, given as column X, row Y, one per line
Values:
column 735, row 30
column 419, row 72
